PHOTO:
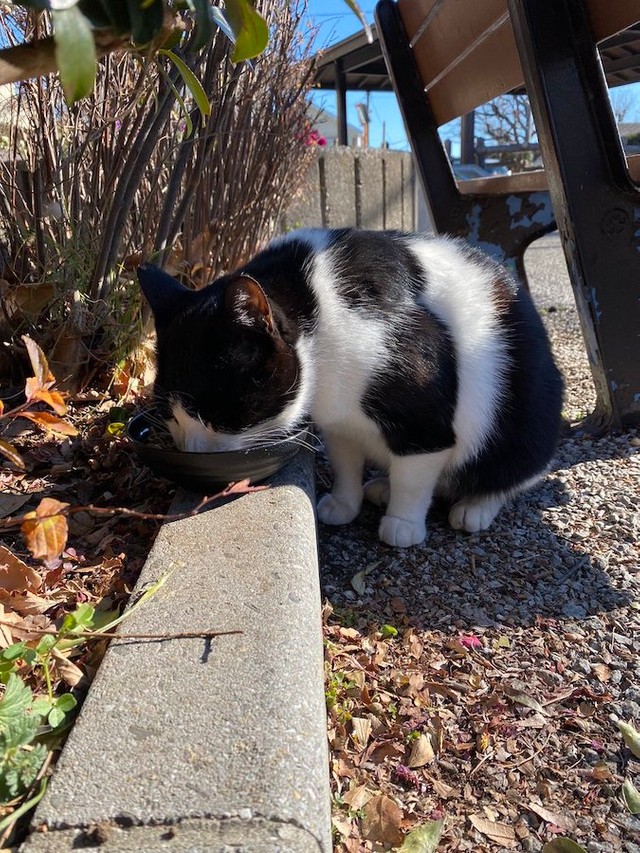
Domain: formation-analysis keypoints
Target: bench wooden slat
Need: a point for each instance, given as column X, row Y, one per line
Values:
column 526, row 181
column 467, row 59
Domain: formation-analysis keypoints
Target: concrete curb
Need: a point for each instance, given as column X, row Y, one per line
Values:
column 184, row 745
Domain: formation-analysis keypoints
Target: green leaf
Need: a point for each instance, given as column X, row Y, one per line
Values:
column 388, row 631
column 80, row 620
column 46, row 644
column 56, row 716
column 631, row 796
column 203, row 14
column 65, row 703
column 41, row 707
column 191, row 82
column 562, row 845
column 6, row 668
column 17, row 698
column 75, row 53
column 424, row 838
column 19, row 769
column 146, row 18
column 631, row 736
column 250, row 30
column 19, row 732
column 13, row 652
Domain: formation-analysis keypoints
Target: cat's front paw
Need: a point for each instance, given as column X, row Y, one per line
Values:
column 475, row 514
column 331, row 510
column 376, row 491
column 400, row 532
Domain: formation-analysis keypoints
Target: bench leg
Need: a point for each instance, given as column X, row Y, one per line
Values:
column 596, row 204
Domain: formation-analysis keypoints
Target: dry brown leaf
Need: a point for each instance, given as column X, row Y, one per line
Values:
column 35, row 391
column 516, row 693
column 16, row 575
column 381, row 821
column 442, row 790
column 357, row 797
column 9, row 452
column 66, row 669
column 45, row 530
column 601, row 671
column 421, row 752
column 50, row 422
column 8, row 620
column 30, row 299
column 564, row 822
column 361, row 731
column 343, row 825
column 38, row 361
column 30, row 604
column 501, row 833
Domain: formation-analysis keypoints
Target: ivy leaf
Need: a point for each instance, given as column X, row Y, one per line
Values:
column 75, row 53
column 250, row 31
column 424, row 838
column 17, row 698
column 191, row 82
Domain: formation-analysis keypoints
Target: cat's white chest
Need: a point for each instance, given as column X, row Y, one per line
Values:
column 348, row 351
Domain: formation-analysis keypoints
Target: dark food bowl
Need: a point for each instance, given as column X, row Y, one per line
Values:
column 206, row 472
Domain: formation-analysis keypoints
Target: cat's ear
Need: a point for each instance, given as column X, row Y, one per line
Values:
column 246, row 301
column 166, row 296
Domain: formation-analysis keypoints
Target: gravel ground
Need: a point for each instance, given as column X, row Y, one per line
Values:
column 548, row 596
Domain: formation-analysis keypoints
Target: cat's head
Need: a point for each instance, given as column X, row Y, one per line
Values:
column 226, row 377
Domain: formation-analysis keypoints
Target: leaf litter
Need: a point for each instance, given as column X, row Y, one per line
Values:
column 61, row 573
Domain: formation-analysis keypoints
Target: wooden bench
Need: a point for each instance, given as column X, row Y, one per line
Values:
column 447, row 57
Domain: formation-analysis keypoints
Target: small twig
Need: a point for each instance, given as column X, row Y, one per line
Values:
column 240, row 488
column 99, row 635
column 484, row 758
column 529, row 757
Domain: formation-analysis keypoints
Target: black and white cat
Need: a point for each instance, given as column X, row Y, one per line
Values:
column 419, row 355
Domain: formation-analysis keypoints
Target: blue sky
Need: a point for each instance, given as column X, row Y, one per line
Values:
column 335, row 21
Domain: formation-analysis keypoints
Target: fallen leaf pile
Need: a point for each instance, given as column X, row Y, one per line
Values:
column 426, row 727
column 52, row 563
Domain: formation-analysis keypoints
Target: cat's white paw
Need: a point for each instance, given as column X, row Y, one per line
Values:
column 400, row 532
column 376, row 491
column 331, row 510
column 474, row 514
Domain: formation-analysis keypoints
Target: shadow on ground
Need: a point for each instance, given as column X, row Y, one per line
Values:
column 538, row 560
